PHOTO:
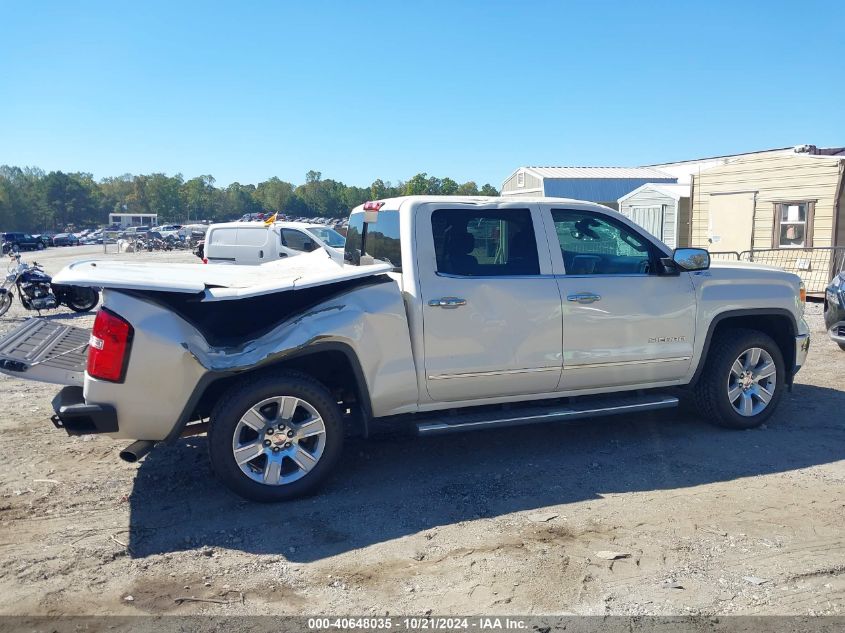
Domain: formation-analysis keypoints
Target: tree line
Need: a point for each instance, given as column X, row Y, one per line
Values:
column 35, row 201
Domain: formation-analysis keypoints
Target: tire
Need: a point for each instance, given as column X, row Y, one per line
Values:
column 5, row 302
column 841, row 345
column 726, row 372
column 251, row 404
column 82, row 299
column 39, row 246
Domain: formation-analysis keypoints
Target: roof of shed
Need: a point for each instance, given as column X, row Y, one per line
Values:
column 598, row 172
column 673, row 191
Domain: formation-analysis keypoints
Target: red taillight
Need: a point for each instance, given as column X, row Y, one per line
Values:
column 373, row 205
column 205, row 260
column 108, row 348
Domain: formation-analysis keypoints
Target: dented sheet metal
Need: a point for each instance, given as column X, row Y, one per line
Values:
column 216, row 282
column 368, row 321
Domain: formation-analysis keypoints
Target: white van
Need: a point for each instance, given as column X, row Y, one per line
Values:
column 257, row 243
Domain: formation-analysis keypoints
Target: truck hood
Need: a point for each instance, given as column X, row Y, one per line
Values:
column 742, row 265
column 217, row 282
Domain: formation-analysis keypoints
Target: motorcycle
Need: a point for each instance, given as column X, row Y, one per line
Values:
column 37, row 291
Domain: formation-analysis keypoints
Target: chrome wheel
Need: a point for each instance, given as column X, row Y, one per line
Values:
column 5, row 302
column 279, row 440
column 752, row 382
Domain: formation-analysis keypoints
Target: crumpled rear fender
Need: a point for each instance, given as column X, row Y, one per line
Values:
column 368, row 320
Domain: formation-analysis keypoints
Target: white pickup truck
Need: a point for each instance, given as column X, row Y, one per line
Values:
column 446, row 314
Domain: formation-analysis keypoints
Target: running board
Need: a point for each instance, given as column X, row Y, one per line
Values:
column 536, row 415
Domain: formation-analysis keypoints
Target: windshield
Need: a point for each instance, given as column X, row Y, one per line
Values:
column 329, row 236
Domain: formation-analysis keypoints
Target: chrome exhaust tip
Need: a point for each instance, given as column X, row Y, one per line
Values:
column 136, row 450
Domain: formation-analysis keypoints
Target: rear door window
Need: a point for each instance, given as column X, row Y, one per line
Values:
column 252, row 237
column 382, row 239
column 224, row 236
column 489, row 243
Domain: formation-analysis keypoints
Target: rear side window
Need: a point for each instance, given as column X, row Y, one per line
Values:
column 223, row 236
column 253, row 237
column 382, row 239
column 492, row 243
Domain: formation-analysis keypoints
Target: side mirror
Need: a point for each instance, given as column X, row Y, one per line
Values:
column 691, row 259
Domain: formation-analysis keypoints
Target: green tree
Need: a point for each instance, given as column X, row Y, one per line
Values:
column 312, row 176
column 378, row 190
column 489, row 190
column 417, row 186
column 114, row 194
column 69, row 198
column 448, row 187
column 198, row 196
column 31, row 200
column 274, row 195
column 468, row 189
column 241, row 199
column 163, row 195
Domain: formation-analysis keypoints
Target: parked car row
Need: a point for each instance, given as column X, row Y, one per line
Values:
column 16, row 241
column 21, row 242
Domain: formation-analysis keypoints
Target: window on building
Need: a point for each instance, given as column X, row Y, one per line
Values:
column 594, row 245
column 793, row 225
column 520, row 179
column 485, row 243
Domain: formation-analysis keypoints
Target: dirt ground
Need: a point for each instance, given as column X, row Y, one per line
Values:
column 706, row 521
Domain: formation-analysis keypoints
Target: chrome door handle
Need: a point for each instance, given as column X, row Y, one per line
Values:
column 584, row 297
column 447, row 302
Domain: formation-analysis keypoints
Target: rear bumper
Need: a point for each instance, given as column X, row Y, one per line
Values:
column 77, row 417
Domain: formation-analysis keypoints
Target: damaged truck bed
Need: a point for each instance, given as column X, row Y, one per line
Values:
column 224, row 303
column 217, row 283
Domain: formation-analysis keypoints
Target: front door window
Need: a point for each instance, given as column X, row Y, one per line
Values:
column 596, row 245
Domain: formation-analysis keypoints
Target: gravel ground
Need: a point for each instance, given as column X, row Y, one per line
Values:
column 703, row 520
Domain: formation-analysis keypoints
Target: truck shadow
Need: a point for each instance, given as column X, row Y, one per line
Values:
column 391, row 487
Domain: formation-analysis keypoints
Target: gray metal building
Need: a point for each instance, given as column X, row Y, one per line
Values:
column 604, row 185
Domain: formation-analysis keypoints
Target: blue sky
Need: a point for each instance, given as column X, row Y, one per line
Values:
column 364, row 90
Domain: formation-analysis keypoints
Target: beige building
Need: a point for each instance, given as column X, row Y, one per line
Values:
column 770, row 200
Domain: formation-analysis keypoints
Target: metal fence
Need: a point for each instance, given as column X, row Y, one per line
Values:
column 725, row 255
column 815, row 266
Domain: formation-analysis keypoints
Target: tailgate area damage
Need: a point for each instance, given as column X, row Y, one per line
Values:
column 45, row 350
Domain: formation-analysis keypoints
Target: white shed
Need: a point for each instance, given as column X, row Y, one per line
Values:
column 125, row 220
column 661, row 209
